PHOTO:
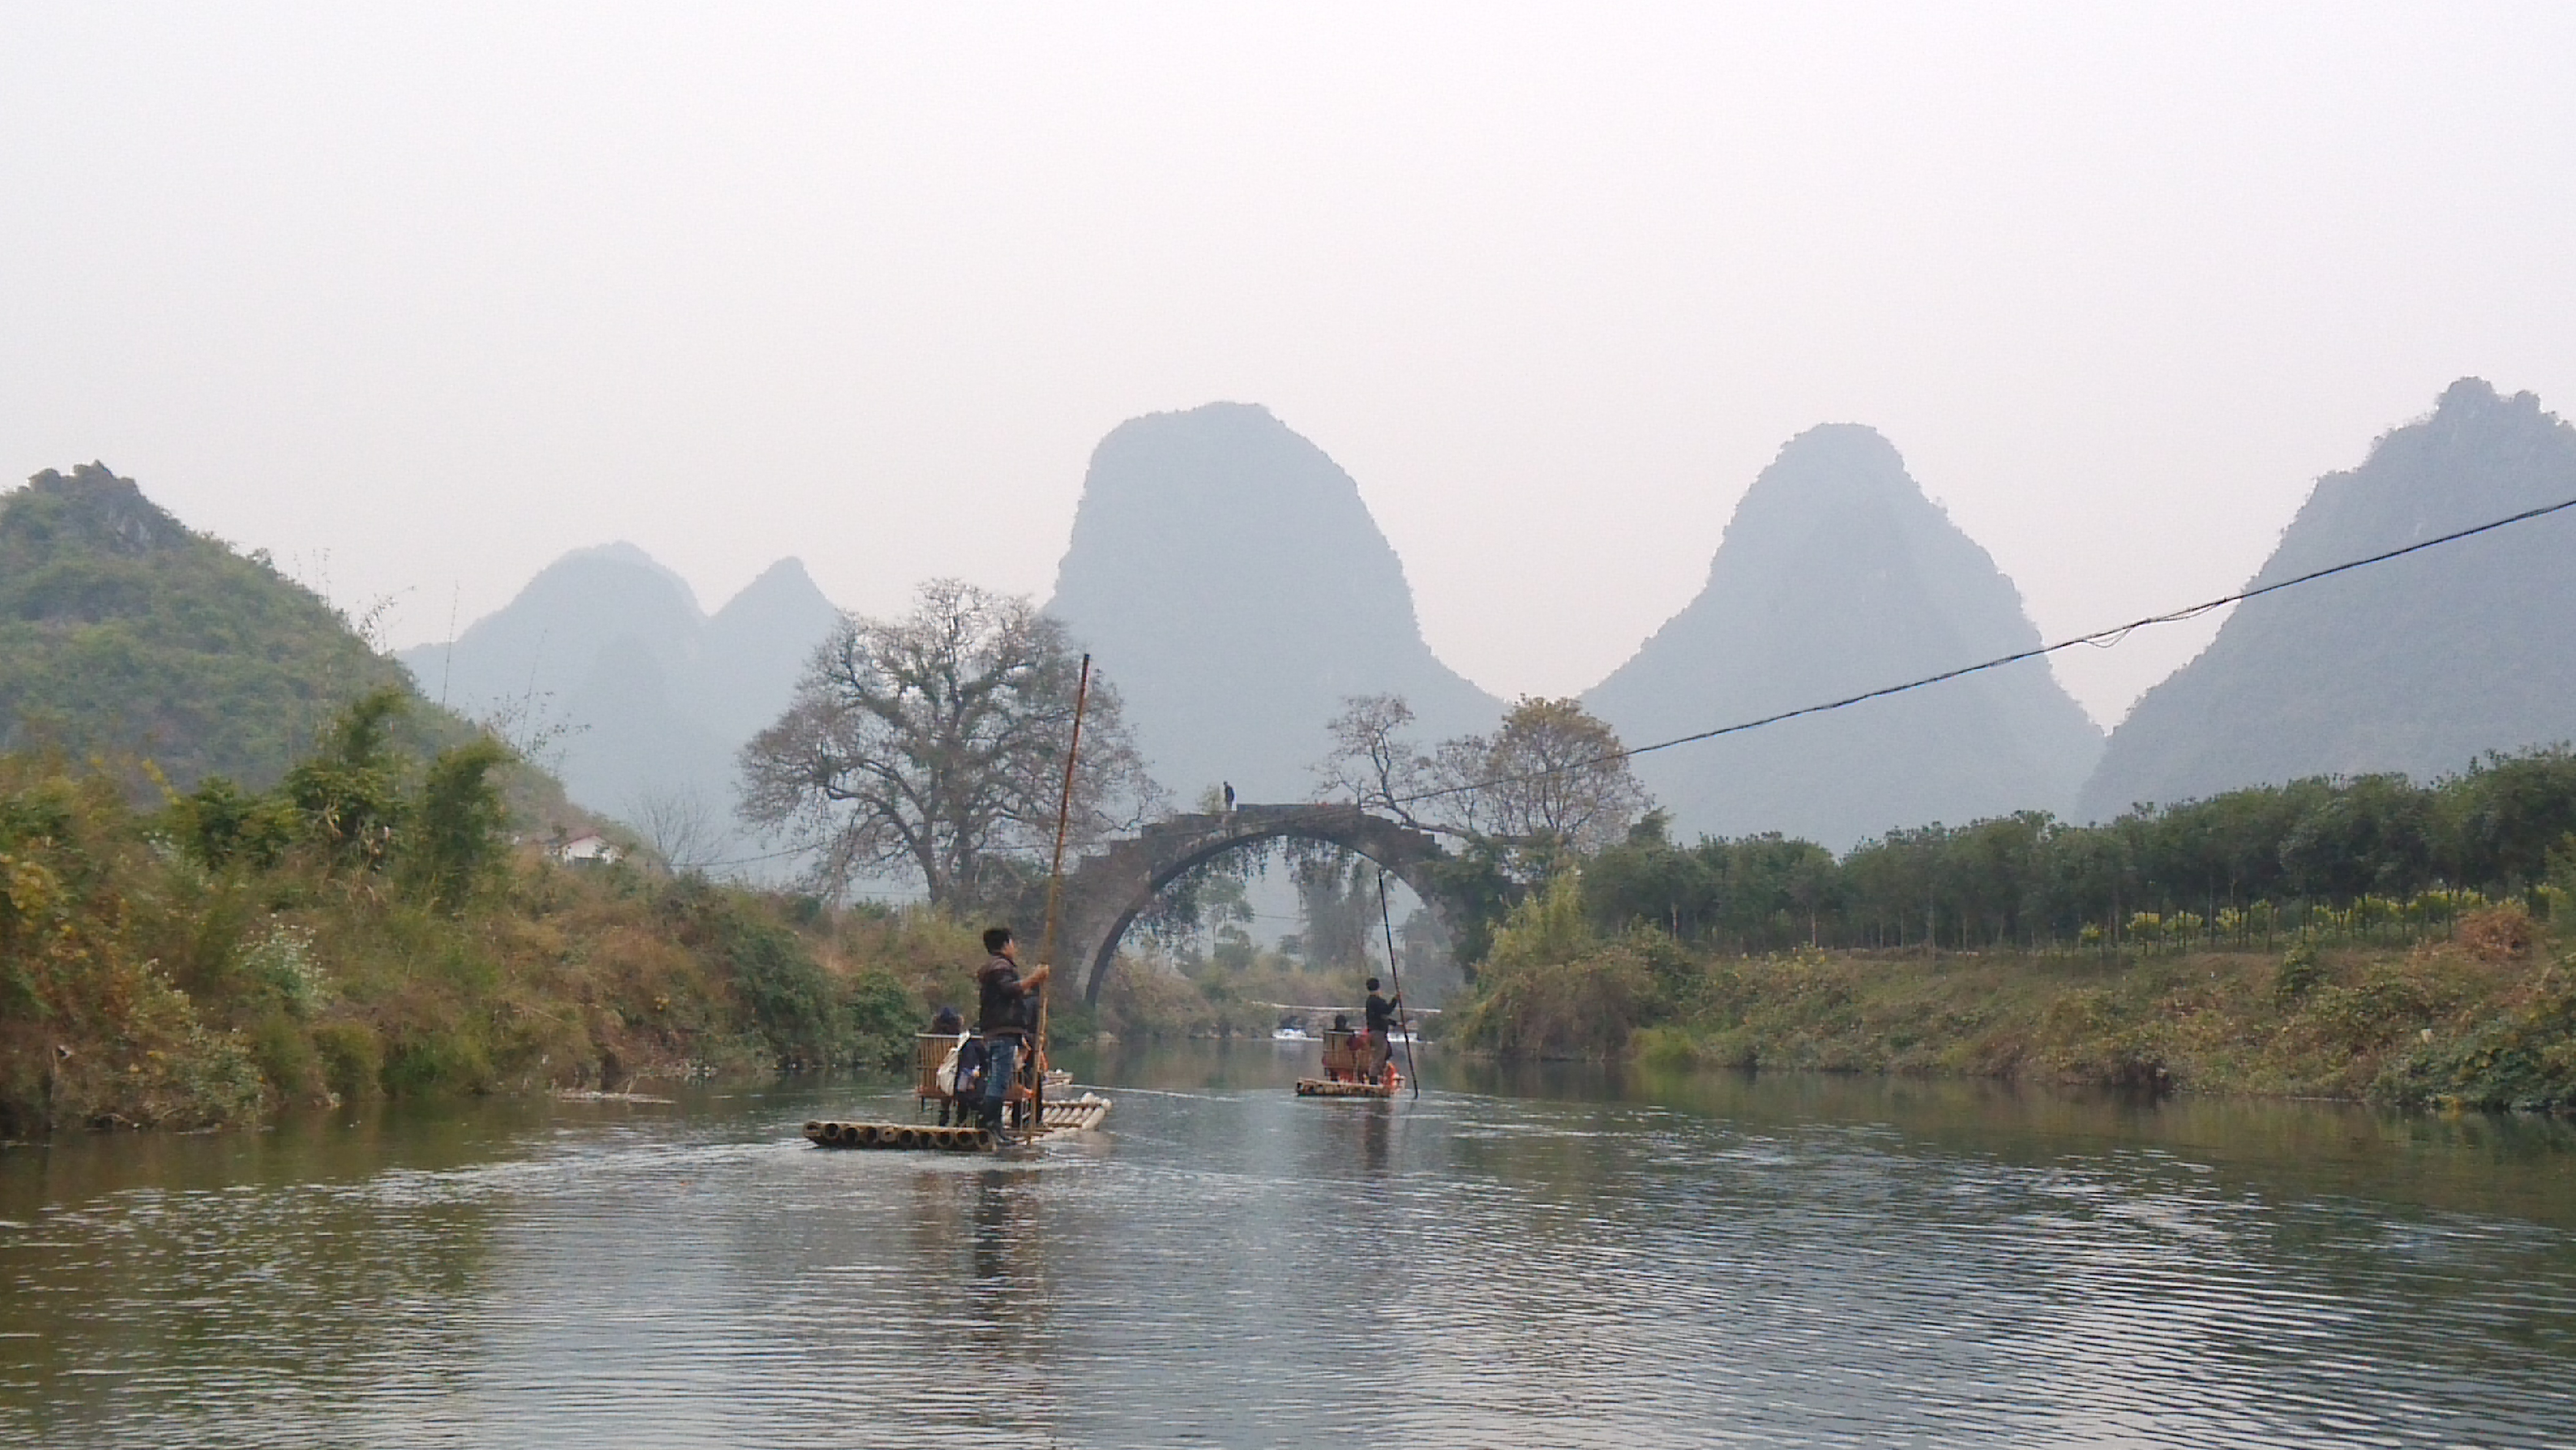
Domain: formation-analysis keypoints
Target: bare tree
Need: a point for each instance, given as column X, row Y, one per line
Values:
column 1552, row 776
column 933, row 745
column 680, row 826
column 1372, row 763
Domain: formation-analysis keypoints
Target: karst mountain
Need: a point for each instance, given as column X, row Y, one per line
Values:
column 125, row 633
column 608, row 667
column 1837, row 575
column 1230, row 579
column 2419, row 665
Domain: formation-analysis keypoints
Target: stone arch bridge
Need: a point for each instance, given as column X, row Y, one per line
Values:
column 1105, row 894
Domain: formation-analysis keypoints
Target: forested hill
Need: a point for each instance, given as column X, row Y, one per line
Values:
column 2419, row 665
column 123, row 631
column 1231, row 580
column 1837, row 575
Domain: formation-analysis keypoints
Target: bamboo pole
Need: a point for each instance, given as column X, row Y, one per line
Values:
column 1386, row 917
column 1055, row 897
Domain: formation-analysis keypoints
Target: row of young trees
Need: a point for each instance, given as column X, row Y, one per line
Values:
column 2374, row 849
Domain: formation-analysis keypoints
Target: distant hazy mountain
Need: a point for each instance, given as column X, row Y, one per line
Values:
column 650, row 696
column 1836, row 576
column 2417, row 665
column 1230, row 580
column 124, row 631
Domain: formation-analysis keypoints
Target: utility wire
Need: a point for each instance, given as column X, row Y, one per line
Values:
column 2100, row 639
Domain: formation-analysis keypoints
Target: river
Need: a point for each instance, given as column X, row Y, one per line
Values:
column 1550, row 1257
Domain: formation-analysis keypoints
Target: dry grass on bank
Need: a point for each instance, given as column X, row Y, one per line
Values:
column 2485, row 1019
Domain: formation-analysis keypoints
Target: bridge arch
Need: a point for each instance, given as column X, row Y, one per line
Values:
column 1107, row 892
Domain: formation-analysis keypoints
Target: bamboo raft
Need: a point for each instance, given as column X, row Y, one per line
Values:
column 1325, row 1087
column 1348, row 1072
column 1062, row 1119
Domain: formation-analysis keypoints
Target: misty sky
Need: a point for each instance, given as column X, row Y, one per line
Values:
column 420, row 300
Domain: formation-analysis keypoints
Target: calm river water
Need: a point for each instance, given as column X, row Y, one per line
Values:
column 1541, row 1258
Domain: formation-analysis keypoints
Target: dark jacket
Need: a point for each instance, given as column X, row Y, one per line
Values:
column 1381, row 1012
column 1003, row 1005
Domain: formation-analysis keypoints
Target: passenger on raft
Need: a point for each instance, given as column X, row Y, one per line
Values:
column 963, row 1082
column 1007, row 1013
column 1381, row 1015
column 1341, row 1051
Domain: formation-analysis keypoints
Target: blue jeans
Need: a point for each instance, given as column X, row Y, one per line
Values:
column 1001, row 1064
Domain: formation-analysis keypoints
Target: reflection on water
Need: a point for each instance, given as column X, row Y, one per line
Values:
column 1540, row 1257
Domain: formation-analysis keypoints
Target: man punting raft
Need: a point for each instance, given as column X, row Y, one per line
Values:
column 1360, row 1064
column 1010, row 1067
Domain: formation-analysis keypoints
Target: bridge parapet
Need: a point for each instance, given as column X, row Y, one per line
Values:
column 1110, row 888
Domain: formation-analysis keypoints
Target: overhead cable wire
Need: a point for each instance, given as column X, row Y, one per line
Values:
column 2100, row 638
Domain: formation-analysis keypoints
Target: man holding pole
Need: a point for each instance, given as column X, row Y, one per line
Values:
column 1381, row 1016
column 1007, row 1012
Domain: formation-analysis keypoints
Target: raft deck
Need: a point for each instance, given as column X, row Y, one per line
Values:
column 1079, row 1115
column 1325, row 1087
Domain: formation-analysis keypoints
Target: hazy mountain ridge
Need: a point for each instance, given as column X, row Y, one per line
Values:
column 2418, row 665
column 1229, row 577
column 1837, row 575
column 650, row 697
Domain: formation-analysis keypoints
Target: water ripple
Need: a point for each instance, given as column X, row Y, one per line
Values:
column 1233, row 1267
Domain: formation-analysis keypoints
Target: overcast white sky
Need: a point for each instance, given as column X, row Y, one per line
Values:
column 419, row 299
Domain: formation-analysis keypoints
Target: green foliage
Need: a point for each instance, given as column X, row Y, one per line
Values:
column 881, row 1015
column 2298, row 973
column 220, row 826
column 458, row 839
column 1553, row 987
column 350, row 1057
column 789, row 997
column 2373, row 858
column 122, row 633
column 349, row 796
column 2524, row 1059
column 211, row 983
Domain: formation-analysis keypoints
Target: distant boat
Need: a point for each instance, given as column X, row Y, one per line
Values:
column 1291, row 1034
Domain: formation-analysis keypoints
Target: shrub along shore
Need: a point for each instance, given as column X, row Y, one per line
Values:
column 370, row 928
column 2481, row 1017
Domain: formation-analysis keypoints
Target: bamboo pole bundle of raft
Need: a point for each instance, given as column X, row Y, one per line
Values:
column 1325, row 1087
column 1080, row 1115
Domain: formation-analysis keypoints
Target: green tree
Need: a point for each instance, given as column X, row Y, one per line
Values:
column 349, row 793
column 458, row 837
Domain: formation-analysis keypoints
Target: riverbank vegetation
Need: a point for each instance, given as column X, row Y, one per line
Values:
column 2364, row 938
column 370, row 926
column 2485, row 1017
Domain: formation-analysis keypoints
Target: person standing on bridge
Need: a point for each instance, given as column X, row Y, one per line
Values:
column 1007, row 1012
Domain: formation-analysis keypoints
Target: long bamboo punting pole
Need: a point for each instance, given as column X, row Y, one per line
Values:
column 1055, row 893
column 1386, row 915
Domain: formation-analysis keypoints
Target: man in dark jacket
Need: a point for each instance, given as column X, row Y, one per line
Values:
column 1007, row 1014
column 1381, row 1016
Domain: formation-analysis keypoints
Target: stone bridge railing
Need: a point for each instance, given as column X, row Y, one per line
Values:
column 1105, row 894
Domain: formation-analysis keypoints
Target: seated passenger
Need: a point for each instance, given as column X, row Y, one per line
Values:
column 1341, row 1051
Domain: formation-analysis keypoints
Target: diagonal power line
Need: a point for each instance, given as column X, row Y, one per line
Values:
column 2100, row 639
